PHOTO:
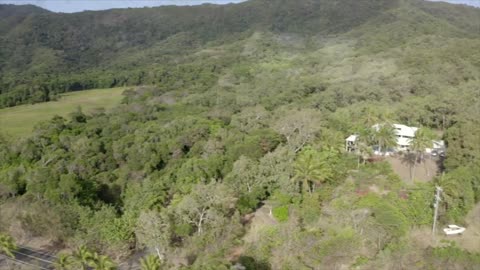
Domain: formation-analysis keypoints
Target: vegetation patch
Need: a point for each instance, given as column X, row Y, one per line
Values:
column 20, row 120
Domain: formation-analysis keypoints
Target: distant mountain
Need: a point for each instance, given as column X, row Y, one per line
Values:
column 46, row 53
column 8, row 10
column 12, row 15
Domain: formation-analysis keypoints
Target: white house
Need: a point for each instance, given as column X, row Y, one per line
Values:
column 437, row 146
column 351, row 142
column 404, row 134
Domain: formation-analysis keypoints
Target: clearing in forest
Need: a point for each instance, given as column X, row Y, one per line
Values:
column 425, row 171
column 20, row 120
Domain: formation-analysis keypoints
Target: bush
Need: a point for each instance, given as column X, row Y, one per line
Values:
column 281, row 213
column 247, row 203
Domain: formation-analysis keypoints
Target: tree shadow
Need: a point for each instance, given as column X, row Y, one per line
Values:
column 440, row 160
column 410, row 159
column 252, row 264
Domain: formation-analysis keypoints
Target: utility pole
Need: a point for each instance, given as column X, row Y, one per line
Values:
column 436, row 205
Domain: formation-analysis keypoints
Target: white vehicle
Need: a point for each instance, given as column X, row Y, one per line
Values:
column 453, row 229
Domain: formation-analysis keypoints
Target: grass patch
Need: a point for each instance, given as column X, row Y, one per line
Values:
column 20, row 120
column 281, row 213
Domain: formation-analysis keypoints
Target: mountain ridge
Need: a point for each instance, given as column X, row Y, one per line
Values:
column 49, row 53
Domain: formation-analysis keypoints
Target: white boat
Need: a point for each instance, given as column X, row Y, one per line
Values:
column 453, row 229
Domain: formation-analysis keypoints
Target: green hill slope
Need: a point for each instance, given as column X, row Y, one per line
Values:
column 43, row 53
column 53, row 53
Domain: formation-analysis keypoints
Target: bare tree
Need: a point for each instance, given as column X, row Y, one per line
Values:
column 244, row 175
column 205, row 204
column 153, row 230
column 299, row 128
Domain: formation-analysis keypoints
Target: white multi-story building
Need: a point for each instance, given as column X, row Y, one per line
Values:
column 404, row 135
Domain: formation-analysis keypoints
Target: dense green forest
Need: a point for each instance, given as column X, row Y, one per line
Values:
column 238, row 111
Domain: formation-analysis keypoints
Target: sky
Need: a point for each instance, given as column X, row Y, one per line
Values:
column 475, row 3
column 81, row 5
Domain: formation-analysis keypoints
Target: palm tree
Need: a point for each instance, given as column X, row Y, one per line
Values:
column 410, row 159
column 150, row 262
column 101, row 262
column 64, row 261
column 423, row 139
column 311, row 169
column 451, row 190
column 363, row 145
column 306, row 169
column 7, row 245
column 327, row 158
column 82, row 256
column 385, row 137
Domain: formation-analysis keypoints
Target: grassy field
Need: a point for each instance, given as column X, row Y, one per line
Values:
column 20, row 120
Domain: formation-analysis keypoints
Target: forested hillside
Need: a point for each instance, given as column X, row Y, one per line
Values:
column 228, row 151
column 43, row 54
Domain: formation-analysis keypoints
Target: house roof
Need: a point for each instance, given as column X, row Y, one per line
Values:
column 352, row 138
column 406, row 131
column 438, row 144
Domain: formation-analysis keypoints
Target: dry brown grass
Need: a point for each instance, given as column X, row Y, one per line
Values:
column 469, row 240
column 424, row 172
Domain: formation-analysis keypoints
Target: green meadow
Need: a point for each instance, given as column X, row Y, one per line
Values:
column 20, row 120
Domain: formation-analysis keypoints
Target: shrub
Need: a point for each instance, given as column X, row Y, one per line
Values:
column 281, row 213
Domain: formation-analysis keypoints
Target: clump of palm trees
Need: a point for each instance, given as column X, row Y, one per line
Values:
column 423, row 139
column 7, row 245
column 313, row 168
column 150, row 262
column 83, row 258
column 384, row 136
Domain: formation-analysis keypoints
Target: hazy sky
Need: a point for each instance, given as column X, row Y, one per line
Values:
column 475, row 3
column 80, row 5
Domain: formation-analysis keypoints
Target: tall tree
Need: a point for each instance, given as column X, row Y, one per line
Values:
column 422, row 140
column 205, row 204
column 311, row 169
column 363, row 144
column 154, row 231
column 299, row 127
column 385, row 137
column 244, row 176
